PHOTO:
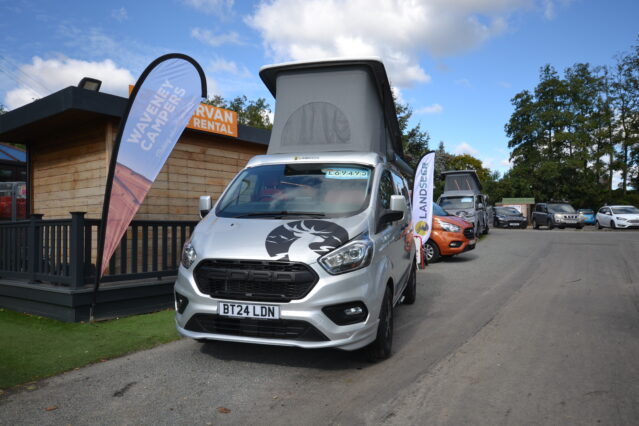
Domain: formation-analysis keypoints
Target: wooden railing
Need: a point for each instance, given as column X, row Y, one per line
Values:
column 64, row 251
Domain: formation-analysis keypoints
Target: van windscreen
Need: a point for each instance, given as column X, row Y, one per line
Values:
column 331, row 190
column 456, row 203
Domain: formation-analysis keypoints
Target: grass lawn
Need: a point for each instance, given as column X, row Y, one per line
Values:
column 35, row 347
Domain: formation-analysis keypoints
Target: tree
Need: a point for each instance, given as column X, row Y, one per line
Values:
column 254, row 113
column 2, row 109
column 414, row 140
column 625, row 99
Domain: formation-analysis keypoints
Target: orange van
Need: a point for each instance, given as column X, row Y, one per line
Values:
column 451, row 235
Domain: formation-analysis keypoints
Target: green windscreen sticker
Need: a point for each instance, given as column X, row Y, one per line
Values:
column 346, row 173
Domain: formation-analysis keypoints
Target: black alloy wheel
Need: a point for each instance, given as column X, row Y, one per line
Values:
column 382, row 347
column 410, row 292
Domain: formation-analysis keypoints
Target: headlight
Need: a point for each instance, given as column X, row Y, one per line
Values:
column 188, row 255
column 353, row 255
column 500, row 217
column 448, row 226
column 558, row 217
column 621, row 218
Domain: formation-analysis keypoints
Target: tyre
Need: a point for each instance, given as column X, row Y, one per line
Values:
column 612, row 225
column 579, row 227
column 550, row 225
column 535, row 224
column 599, row 225
column 381, row 348
column 431, row 252
column 410, row 292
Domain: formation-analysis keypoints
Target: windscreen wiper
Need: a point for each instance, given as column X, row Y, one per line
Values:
column 281, row 214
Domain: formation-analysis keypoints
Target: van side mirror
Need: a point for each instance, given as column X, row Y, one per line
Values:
column 398, row 208
column 398, row 203
column 205, row 205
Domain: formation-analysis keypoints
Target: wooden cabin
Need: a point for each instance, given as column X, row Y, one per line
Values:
column 47, row 263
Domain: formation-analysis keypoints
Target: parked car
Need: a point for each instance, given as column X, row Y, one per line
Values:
column 588, row 216
column 618, row 217
column 508, row 217
column 560, row 215
column 451, row 235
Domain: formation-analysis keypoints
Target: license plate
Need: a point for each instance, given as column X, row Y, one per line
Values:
column 513, row 224
column 571, row 221
column 247, row 310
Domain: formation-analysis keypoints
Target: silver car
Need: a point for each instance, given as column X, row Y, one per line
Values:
column 311, row 251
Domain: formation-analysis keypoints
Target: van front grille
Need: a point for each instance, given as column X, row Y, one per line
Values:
column 255, row 280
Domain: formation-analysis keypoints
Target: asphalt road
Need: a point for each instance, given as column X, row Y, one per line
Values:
column 533, row 327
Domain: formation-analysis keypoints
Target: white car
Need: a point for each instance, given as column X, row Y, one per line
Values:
column 618, row 217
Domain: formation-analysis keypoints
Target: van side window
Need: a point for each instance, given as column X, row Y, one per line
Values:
column 400, row 187
column 385, row 190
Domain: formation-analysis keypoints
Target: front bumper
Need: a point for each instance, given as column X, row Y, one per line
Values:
column 361, row 285
column 505, row 223
column 626, row 225
column 452, row 243
column 578, row 224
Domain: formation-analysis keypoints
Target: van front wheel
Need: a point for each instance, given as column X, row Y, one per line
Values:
column 381, row 348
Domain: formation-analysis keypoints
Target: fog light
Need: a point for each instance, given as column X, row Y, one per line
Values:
column 346, row 313
column 455, row 244
column 355, row 310
column 181, row 303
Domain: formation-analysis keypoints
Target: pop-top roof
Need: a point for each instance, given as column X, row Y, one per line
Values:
column 333, row 105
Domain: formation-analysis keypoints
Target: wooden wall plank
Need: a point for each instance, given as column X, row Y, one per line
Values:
column 69, row 173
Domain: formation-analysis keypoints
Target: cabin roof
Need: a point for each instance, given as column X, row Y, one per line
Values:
column 67, row 107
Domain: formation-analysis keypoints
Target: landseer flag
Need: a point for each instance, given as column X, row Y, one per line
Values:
column 423, row 197
column 161, row 104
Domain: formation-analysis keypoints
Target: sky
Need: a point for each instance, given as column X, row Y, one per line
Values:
column 457, row 63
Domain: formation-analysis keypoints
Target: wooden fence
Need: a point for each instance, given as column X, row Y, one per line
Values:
column 64, row 251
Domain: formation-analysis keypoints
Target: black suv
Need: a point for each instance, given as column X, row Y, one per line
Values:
column 560, row 215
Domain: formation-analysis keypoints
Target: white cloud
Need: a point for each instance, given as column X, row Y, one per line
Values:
column 229, row 67
column 465, row 148
column 397, row 31
column 431, row 109
column 506, row 162
column 488, row 163
column 55, row 74
column 399, row 97
column 219, row 8
column 120, row 14
column 215, row 40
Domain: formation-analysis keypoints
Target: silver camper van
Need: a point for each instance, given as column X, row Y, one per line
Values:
column 311, row 244
column 462, row 197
